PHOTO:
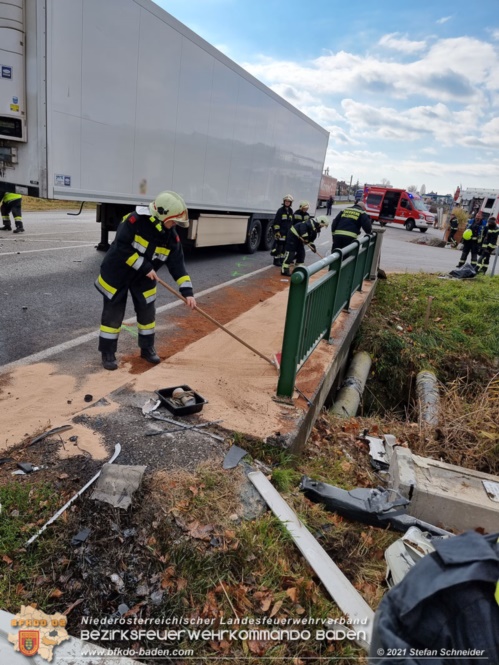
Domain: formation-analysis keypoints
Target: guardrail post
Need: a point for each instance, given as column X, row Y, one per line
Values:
column 293, row 331
column 377, row 253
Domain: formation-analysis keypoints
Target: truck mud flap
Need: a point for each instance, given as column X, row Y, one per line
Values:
column 369, row 506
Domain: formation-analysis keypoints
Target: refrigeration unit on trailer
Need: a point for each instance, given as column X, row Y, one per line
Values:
column 114, row 101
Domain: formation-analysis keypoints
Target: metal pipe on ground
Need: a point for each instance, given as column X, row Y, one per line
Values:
column 428, row 398
column 348, row 399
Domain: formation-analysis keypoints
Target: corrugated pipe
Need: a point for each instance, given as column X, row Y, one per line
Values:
column 350, row 394
column 428, row 398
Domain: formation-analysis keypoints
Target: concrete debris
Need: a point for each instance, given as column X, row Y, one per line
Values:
column 458, row 498
column 117, row 484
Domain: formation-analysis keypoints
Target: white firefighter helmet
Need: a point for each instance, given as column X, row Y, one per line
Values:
column 304, row 204
column 168, row 206
column 287, row 197
column 323, row 221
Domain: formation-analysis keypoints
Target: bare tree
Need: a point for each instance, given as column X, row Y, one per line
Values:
column 385, row 182
column 422, row 191
column 412, row 188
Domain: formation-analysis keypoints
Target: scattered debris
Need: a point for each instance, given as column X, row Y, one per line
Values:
column 341, row 590
column 150, row 406
column 25, row 468
column 73, row 438
column 88, row 398
column 117, row 484
column 156, row 416
column 117, row 450
column 55, row 430
column 184, row 427
column 80, row 537
column 380, row 450
column 369, row 506
column 4, row 460
column 405, row 552
column 233, row 457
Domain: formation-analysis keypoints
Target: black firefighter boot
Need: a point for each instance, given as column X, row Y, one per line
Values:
column 19, row 228
column 6, row 225
column 109, row 360
column 150, row 355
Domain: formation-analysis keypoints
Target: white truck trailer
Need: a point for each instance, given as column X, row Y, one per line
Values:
column 113, row 101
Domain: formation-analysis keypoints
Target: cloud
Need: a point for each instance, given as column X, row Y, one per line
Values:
column 451, row 70
column 444, row 19
column 399, row 43
column 495, row 34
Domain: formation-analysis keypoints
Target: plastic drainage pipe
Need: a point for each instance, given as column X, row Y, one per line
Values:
column 350, row 394
column 428, row 398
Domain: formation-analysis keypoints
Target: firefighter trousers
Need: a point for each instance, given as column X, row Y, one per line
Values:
column 340, row 241
column 143, row 292
column 469, row 247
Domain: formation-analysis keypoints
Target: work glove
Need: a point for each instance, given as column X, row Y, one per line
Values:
column 312, row 247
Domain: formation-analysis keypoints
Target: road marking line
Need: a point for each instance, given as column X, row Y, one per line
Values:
column 48, row 249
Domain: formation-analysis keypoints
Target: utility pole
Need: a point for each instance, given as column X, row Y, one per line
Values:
column 350, row 187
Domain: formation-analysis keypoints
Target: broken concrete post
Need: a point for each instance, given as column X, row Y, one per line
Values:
column 349, row 396
column 428, row 398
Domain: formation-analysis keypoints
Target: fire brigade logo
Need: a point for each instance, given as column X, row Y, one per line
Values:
column 37, row 633
column 29, row 641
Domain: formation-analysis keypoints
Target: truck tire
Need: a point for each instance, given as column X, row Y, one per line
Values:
column 267, row 241
column 383, row 224
column 423, row 230
column 254, row 237
column 409, row 225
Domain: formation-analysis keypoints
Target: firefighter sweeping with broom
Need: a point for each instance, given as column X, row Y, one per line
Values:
column 145, row 240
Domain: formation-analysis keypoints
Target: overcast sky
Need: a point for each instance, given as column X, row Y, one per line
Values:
column 409, row 91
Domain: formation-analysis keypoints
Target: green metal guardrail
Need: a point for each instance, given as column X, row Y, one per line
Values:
column 312, row 307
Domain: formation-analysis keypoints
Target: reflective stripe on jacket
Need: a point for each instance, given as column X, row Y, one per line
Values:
column 142, row 244
column 350, row 221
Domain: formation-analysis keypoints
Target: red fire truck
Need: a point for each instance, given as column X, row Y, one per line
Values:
column 397, row 206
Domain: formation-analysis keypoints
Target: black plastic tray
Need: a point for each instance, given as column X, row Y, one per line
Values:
column 165, row 394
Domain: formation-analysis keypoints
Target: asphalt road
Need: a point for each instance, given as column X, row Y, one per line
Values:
column 47, row 274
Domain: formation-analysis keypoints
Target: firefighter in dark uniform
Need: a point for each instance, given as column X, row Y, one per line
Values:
column 145, row 240
column 447, row 605
column 348, row 224
column 489, row 244
column 301, row 215
column 472, row 238
column 299, row 235
column 453, row 225
column 11, row 203
column 282, row 223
